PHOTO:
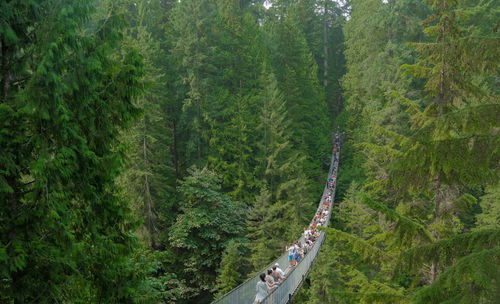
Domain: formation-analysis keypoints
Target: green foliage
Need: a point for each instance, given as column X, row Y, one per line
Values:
column 149, row 177
column 231, row 269
column 102, row 119
column 471, row 280
column 295, row 72
column 280, row 210
column 264, row 230
column 66, row 95
column 202, row 231
column 359, row 246
column 453, row 138
column 419, row 153
column 324, row 280
column 448, row 250
column 490, row 215
column 407, row 228
column 159, row 285
column 234, row 136
column 194, row 45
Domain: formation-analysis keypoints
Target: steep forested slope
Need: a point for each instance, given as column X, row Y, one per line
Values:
column 421, row 172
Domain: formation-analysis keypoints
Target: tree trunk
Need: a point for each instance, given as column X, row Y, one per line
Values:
column 5, row 72
column 437, row 214
column 441, row 99
column 174, row 149
column 325, row 46
column 199, row 130
column 147, row 191
column 433, row 271
column 10, row 178
column 437, row 199
column 437, row 195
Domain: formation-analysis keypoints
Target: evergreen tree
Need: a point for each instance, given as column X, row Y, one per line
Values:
column 101, row 119
column 296, row 74
column 193, row 23
column 66, row 95
column 276, row 156
column 427, row 146
column 321, row 22
column 150, row 179
column 230, row 271
column 263, row 218
column 282, row 207
column 233, row 138
column 202, row 231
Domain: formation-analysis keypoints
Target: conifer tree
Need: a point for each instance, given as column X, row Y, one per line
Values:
column 424, row 160
column 208, row 221
column 231, row 269
column 454, row 146
column 276, row 156
column 264, row 217
column 193, row 23
column 282, row 165
column 149, row 179
column 233, row 140
column 297, row 78
column 453, row 143
column 66, row 95
column 321, row 22
column 282, row 206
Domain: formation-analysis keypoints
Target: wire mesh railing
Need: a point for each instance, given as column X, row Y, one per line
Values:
column 245, row 292
column 284, row 292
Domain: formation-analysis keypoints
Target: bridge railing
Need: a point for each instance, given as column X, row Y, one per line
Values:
column 283, row 293
column 245, row 292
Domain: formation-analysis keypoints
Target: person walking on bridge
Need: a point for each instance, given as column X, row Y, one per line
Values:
column 291, row 251
column 276, row 275
column 271, row 284
column 278, row 269
column 261, row 289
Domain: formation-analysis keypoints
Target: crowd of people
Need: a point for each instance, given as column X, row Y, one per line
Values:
column 298, row 250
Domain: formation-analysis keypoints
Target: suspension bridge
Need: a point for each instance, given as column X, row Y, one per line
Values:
column 295, row 276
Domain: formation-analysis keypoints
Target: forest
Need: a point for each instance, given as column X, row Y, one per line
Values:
column 164, row 151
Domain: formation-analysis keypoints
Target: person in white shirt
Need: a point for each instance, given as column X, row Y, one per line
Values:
column 307, row 233
column 278, row 270
column 261, row 289
column 278, row 278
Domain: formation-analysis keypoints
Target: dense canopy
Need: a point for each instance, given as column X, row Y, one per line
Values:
column 161, row 151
